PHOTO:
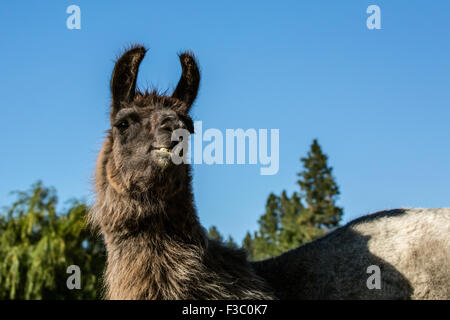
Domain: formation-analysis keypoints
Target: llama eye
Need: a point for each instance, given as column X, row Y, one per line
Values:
column 122, row 125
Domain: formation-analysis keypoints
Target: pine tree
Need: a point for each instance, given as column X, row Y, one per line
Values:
column 320, row 189
column 265, row 243
column 231, row 243
column 214, row 234
column 291, row 234
column 288, row 222
column 247, row 244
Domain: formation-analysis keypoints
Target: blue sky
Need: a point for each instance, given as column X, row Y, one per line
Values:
column 377, row 100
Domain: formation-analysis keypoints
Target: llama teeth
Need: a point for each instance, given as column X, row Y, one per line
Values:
column 164, row 150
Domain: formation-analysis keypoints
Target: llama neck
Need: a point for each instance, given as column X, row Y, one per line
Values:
column 150, row 267
column 155, row 244
column 153, row 213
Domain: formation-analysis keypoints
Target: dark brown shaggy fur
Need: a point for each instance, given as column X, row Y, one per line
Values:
column 156, row 246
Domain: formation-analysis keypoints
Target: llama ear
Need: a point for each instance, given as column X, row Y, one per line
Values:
column 187, row 87
column 123, row 80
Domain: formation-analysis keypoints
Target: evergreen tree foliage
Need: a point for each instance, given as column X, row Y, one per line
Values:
column 213, row 233
column 231, row 243
column 292, row 221
column 247, row 244
column 319, row 188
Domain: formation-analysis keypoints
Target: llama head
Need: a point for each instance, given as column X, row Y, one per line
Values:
column 137, row 154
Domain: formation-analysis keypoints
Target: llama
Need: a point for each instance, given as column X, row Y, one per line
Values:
column 411, row 248
column 156, row 247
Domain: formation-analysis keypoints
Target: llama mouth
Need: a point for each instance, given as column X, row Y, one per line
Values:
column 162, row 149
column 166, row 152
column 162, row 156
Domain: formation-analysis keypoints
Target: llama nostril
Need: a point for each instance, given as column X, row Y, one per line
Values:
column 168, row 120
